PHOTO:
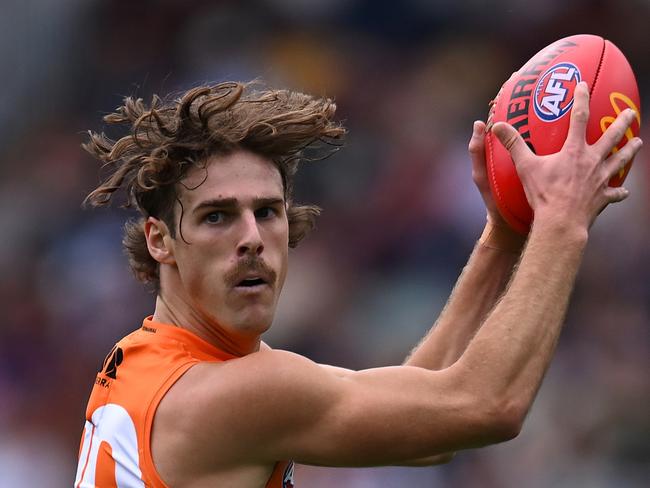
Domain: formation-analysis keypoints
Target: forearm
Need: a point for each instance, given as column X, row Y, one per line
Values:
column 510, row 354
column 481, row 283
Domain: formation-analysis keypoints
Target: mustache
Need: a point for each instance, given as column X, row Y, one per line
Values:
column 248, row 265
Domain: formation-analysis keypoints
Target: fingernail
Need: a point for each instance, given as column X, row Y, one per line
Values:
column 475, row 127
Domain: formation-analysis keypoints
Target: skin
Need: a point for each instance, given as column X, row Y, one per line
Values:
column 469, row 383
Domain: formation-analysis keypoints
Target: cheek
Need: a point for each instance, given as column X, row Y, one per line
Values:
column 282, row 271
column 200, row 268
column 285, row 233
column 283, row 257
column 189, row 272
column 277, row 249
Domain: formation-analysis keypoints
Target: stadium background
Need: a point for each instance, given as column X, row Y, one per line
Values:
column 401, row 213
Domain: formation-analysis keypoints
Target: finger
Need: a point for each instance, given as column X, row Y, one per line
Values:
column 619, row 159
column 617, row 194
column 615, row 132
column 477, row 141
column 579, row 114
column 477, row 149
column 512, row 141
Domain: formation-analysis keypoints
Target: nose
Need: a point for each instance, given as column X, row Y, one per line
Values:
column 250, row 241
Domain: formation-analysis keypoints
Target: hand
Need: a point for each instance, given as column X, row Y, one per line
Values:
column 571, row 186
column 497, row 234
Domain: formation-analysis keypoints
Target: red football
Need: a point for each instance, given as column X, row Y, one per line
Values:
column 537, row 100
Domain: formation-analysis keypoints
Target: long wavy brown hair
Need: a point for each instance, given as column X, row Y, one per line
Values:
column 168, row 138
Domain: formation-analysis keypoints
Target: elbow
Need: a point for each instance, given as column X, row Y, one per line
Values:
column 508, row 426
column 430, row 461
column 502, row 421
column 445, row 458
column 493, row 413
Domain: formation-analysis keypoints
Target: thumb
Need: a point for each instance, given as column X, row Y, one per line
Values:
column 511, row 140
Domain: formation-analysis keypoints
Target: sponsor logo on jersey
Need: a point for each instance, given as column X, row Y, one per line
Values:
column 112, row 361
column 554, row 91
column 287, row 478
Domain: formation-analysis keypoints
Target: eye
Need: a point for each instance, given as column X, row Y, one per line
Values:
column 265, row 213
column 215, row 217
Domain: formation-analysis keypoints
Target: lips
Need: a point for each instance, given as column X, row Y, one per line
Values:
column 253, row 279
column 253, row 285
column 251, row 282
column 251, row 274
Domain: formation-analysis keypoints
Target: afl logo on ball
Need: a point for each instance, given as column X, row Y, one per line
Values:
column 554, row 91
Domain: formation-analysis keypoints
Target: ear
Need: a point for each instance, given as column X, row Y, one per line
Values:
column 159, row 241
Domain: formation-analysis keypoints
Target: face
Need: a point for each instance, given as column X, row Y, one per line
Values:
column 231, row 245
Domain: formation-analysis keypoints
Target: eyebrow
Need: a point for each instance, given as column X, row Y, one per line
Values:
column 230, row 203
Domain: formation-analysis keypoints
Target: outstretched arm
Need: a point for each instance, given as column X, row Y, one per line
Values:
column 277, row 405
column 482, row 281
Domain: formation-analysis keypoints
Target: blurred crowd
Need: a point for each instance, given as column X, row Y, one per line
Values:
column 400, row 213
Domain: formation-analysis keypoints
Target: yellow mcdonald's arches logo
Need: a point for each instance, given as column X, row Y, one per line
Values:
column 619, row 103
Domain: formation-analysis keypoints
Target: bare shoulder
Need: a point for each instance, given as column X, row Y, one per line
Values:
column 239, row 401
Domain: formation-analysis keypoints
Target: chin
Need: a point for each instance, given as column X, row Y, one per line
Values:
column 255, row 323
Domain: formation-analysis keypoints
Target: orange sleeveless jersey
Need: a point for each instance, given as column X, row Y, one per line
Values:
column 115, row 445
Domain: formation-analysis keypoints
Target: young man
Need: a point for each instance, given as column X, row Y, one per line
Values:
column 195, row 399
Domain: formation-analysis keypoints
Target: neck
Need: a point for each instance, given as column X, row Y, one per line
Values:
column 205, row 328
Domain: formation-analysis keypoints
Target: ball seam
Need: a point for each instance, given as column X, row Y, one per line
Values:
column 599, row 69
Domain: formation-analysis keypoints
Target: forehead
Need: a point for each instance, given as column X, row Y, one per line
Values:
column 239, row 175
